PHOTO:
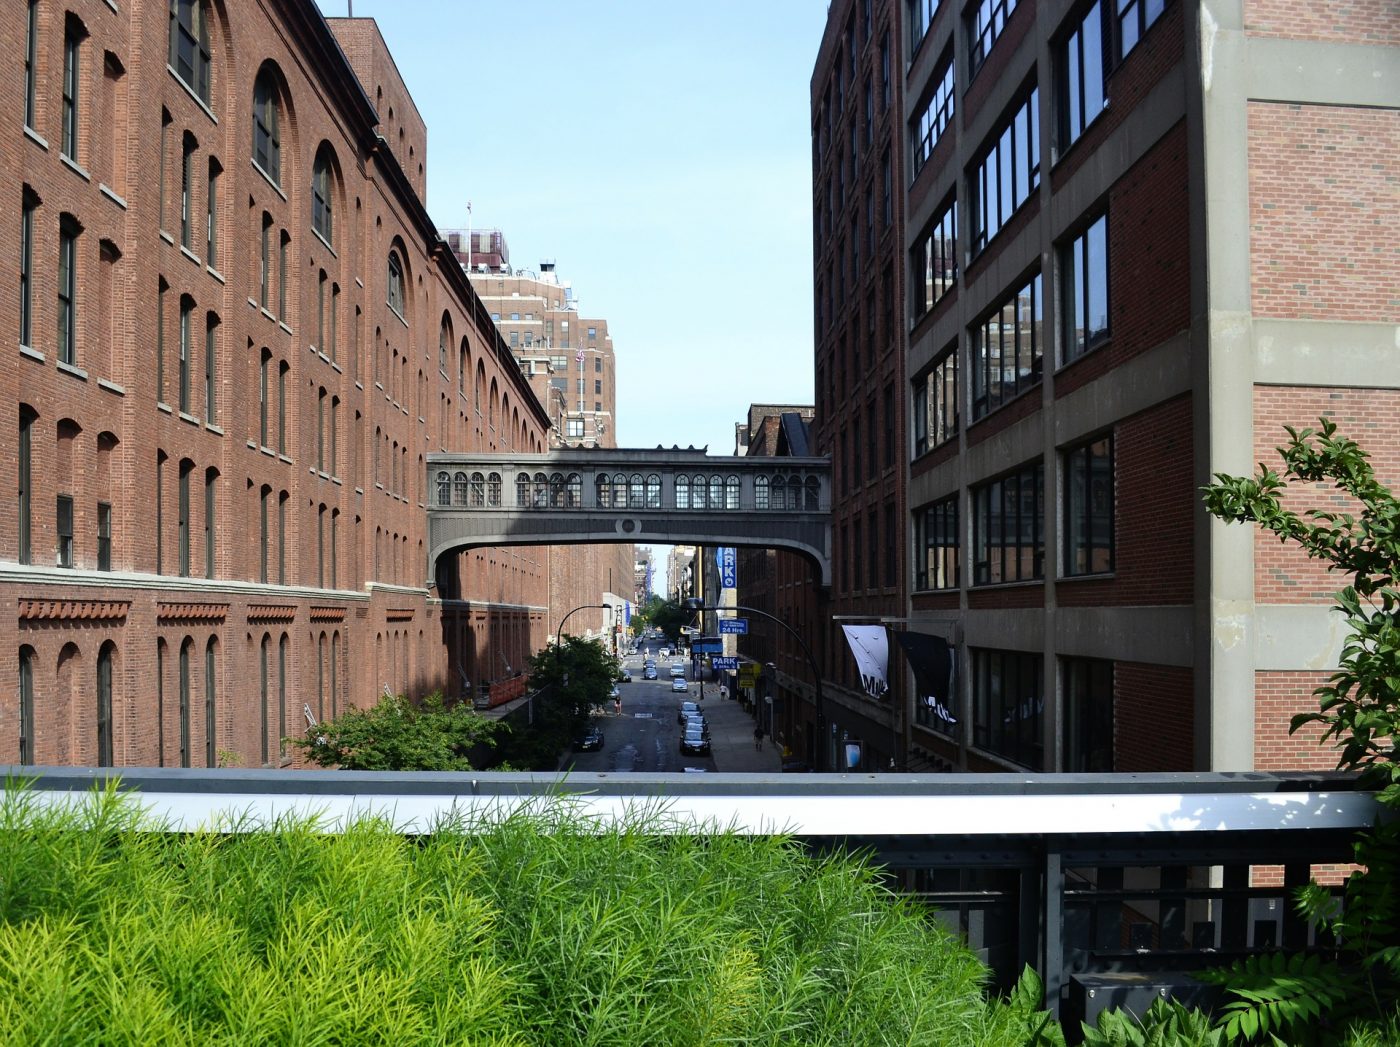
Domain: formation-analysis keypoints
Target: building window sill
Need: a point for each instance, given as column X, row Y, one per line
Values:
column 75, row 371
column 33, row 354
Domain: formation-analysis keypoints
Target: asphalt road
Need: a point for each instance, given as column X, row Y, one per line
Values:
column 645, row 736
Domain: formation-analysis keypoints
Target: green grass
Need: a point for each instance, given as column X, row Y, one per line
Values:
column 538, row 929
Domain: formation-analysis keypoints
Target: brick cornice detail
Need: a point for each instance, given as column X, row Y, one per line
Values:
column 191, row 612
column 328, row 614
column 73, row 610
column 271, row 612
column 399, row 614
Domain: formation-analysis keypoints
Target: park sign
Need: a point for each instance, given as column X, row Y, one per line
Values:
column 727, row 558
column 738, row 626
column 724, row 663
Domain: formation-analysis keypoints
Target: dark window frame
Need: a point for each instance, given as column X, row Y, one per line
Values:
column 25, row 492
column 1008, row 705
column 68, row 233
column 31, row 63
column 63, row 531
column 1085, row 288
column 935, row 115
column 267, row 136
column 26, row 266
column 936, row 400
column 1143, row 14
column 1006, row 174
column 1008, row 513
column 104, row 536
column 1026, row 344
column 939, row 542
column 1081, row 77
column 1088, row 718
column 189, row 46
column 70, row 129
column 986, row 20
column 933, row 270
column 1090, row 529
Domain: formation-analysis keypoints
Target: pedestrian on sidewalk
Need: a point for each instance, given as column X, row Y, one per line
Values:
column 758, row 737
column 723, row 691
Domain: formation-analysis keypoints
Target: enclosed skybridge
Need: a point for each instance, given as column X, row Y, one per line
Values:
column 605, row 495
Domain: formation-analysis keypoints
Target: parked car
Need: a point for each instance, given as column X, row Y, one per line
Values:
column 695, row 742
column 590, row 741
column 678, row 668
column 686, row 709
column 624, row 676
column 679, row 685
column 649, row 673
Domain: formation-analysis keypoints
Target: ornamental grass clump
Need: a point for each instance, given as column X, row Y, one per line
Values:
column 538, row 928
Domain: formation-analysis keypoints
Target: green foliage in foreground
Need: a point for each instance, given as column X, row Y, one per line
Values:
column 398, row 735
column 538, row 929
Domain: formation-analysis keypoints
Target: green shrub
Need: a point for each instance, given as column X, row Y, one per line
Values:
column 538, row 929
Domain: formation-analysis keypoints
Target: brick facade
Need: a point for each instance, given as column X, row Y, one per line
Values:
column 199, row 375
column 1322, row 193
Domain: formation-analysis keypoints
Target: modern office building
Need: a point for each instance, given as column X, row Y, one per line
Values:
column 1139, row 238
column 238, row 334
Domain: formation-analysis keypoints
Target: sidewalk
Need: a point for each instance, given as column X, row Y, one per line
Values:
column 731, row 736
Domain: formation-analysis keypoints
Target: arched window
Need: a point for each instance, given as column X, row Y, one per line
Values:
column 104, row 704
column 575, row 495
column 794, row 492
column 459, row 488
column 557, row 490
column 264, row 694
column 779, row 493
column 682, row 491
column 540, row 496
column 731, row 491
column 335, row 687
column 811, row 494
column 189, row 45
column 267, row 135
column 395, row 283
column 493, row 490
column 186, row 649
column 478, row 491
column 603, row 491
column 282, row 650
column 522, row 489
column 636, row 492
column 653, row 491
column 760, row 492
column 26, row 705
column 444, row 340
column 716, row 492
column 463, row 362
column 444, row 489
column 322, row 214
column 211, row 752
column 697, row 492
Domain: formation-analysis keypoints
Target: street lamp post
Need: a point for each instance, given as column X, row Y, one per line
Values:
column 695, row 604
column 559, row 636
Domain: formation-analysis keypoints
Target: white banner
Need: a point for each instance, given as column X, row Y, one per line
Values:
column 871, row 647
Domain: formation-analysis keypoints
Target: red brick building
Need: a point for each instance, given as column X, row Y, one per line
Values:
column 237, row 335
column 1139, row 238
column 861, row 400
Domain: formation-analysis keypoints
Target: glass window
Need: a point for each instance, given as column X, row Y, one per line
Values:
column 104, row 536
column 1084, row 283
column 211, row 375
column 1007, row 348
column 26, row 264
column 189, row 45
column 27, row 418
column 395, row 283
column 211, row 242
column 26, row 705
column 187, row 188
column 104, row 704
column 186, row 467
column 936, row 403
column 31, row 61
column 72, row 41
column 936, row 528
column 186, row 312
column 986, row 20
column 210, row 478
column 68, row 291
column 1134, row 18
column 1008, row 705
column 1088, row 716
column 935, row 262
column 321, row 217
column 1008, row 535
column 937, row 114
column 211, row 753
column 1003, row 178
column 921, row 14
column 267, row 140
column 1081, row 76
column 1089, row 507
column 64, row 529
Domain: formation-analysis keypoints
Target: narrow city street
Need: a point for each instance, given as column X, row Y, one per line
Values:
column 645, row 736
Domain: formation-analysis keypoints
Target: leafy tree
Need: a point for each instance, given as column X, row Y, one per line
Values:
column 571, row 679
column 669, row 616
column 1307, row 999
column 397, row 735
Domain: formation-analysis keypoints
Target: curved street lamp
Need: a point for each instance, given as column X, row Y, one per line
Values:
column 694, row 603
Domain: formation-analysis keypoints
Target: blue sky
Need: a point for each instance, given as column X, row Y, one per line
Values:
column 659, row 153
